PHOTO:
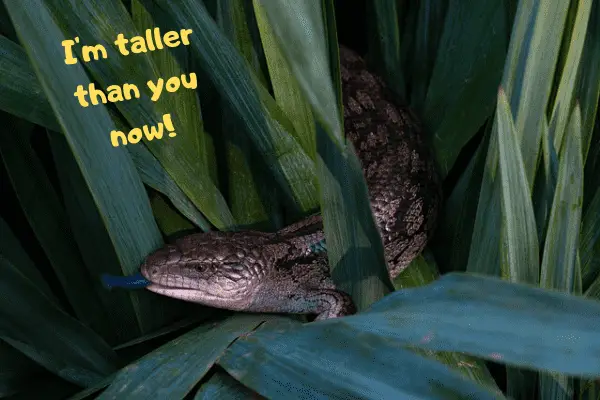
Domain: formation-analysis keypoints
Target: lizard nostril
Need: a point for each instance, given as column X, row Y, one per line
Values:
column 154, row 271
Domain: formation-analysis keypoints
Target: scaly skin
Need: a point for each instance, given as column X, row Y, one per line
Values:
column 284, row 272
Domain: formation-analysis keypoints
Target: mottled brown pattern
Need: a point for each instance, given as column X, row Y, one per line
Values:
column 403, row 185
column 283, row 272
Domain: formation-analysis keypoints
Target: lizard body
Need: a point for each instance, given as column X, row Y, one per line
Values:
column 287, row 271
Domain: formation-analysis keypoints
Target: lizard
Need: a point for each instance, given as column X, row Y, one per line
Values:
column 287, row 271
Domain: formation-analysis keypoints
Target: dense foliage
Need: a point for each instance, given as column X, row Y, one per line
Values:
column 508, row 91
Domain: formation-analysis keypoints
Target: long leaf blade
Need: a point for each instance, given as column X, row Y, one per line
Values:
column 187, row 358
column 343, row 366
column 511, row 323
column 520, row 260
column 106, row 170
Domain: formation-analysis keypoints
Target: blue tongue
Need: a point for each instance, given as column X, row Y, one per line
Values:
column 127, row 282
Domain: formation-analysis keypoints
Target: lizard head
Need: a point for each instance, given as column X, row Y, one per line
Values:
column 210, row 269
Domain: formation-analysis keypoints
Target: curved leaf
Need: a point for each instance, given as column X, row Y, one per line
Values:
column 510, row 323
column 326, row 362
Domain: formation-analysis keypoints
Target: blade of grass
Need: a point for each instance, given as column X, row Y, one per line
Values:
column 154, row 175
column 545, row 184
column 529, row 70
column 168, row 220
column 106, row 169
column 527, row 81
column 428, row 32
column 329, row 24
column 11, row 249
column 385, row 45
column 515, row 324
column 192, row 166
column 186, row 103
column 172, row 370
column 422, row 271
column 29, row 95
column 563, row 103
column 559, row 263
column 484, row 252
column 461, row 95
column 33, row 324
column 299, row 29
column 324, row 362
column 19, row 95
column 562, row 238
column 520, row 244
column 451, row 244
column 286, row 90
column 46, row 216
column 290, row 166
column 244, row 193
column 93, row 239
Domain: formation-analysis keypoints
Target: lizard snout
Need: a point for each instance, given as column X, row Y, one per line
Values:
column 155, row 265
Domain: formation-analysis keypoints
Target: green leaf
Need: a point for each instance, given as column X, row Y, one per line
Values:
column 106, row 170
column 307, row 57
column 527, row 81
column 484, row 252
column 566, row 89
column 529, row 69
column 33, row 324
column 325, row 362
column 562, row 238
column 247, row 205
column 559, row 265
column 384, row 50
column 461, row 94
column 286, row 91
column 154, row 175
column 48, row 220
column 514, row 324
column 428, row 30
column 172, row 370
column 11, row 249
column 192, row 165
column 545, row 184
column 30, row 96
column 451, row 243
column 168, row 220
column 93, row 240
column 422, row 271
column 19, row 93
column 291, row 167
column 520, row 249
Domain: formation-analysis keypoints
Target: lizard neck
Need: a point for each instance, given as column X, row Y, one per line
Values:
column 305, row 238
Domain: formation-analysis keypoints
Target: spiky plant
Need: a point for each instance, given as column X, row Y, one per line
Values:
column 508, row 92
